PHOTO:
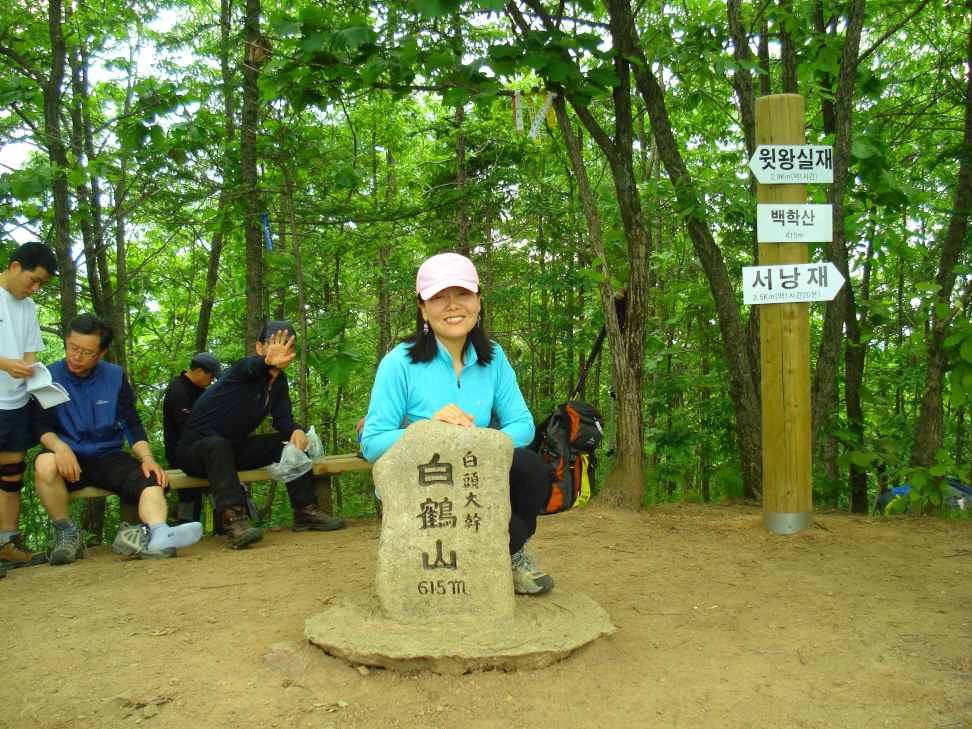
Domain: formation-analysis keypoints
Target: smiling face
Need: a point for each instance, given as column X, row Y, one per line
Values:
column 21, row 283
column 452, row 312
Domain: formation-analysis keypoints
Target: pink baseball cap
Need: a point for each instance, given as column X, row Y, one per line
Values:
column 445, row 270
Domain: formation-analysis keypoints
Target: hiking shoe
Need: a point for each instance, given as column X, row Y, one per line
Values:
column 68, row 545
column 309, row 519
column 239, row 530
column 12, row 556
column 528, row 579
column 132, row 541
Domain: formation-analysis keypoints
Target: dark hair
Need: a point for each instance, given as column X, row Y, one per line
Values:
column 32, row 255
column 424, row 347
column 91, row 324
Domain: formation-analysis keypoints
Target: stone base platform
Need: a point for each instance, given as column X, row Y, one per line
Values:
column 544, row 629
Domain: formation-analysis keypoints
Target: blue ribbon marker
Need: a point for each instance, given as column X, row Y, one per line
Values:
column 266, row 230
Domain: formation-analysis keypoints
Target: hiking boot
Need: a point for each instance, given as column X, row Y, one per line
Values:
column 68, row 544
column 239, row 530
column 12, row 556
column 309, row 519
column 528, row 579
column 132, row 541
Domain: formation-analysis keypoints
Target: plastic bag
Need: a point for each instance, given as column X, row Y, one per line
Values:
column 293, row 463
column 315, row 449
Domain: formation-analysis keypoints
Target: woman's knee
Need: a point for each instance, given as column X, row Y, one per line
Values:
column 529, row 467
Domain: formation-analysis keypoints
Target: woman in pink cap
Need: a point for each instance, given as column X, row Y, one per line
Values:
column 448, row 370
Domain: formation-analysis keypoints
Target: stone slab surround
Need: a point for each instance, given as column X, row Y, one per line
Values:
column 445, row 598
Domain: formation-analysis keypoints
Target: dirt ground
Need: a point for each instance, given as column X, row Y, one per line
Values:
column 859, row 622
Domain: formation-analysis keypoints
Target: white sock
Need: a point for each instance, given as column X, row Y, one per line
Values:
column 164, row 536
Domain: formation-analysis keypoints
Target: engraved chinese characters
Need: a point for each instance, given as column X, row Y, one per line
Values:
column 444, row 549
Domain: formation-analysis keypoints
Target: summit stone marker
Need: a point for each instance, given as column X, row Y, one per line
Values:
column 444, row 551
column 445, row 599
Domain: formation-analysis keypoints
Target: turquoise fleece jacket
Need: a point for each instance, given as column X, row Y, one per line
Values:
column 406, row 393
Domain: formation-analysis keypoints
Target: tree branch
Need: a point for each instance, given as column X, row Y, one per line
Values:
column 892, row 31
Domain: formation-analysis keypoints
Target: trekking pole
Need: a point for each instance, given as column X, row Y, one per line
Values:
column 620, row 306
column 611, row 392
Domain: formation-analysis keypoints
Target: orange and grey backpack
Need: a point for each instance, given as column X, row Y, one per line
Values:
column 567, row 441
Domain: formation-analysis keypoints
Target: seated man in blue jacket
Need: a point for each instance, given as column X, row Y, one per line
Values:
column 217, row 440
column 83, row 441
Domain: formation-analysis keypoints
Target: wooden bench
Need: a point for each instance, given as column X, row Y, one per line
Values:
column 334, row 465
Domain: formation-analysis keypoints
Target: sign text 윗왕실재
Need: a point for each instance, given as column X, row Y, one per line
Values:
column 783, row 164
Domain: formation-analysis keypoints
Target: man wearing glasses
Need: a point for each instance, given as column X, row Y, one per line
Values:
column 83, row 441
column 30, row 266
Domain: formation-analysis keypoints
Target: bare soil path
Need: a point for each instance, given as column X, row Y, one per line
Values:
column 859, row 622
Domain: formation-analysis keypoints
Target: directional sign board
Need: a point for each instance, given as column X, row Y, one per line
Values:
column 781, row 164
column 791, row 223
column 789, row 282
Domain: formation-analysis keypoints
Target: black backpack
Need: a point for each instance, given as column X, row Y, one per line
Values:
column 567, row 440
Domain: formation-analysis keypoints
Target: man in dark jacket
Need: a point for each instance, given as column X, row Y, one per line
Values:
column 83, row 441
column 180, row 397
column 217, row 440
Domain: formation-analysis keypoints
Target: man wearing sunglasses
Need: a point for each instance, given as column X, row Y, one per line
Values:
column 83, row 441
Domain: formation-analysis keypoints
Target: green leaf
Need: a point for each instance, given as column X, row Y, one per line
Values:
column 346, row 179
column 455, row 96
column 966, row 351
column 372, row 70
column 348, row 38
column 287, row 27
column 603, row 78
column 439, row 60
column 493, row 6
column 861, row 150
column 955, row 339
column 437, row 8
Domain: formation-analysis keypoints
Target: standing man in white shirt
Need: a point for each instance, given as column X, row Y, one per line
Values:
column 30, row 266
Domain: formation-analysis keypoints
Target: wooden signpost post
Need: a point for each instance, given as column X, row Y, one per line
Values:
column 784, row 332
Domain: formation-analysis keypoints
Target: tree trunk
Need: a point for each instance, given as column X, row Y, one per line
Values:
column 54, row 142
column 626, row 482
column 765, row 80
column 743, row 377
column 931, row 417
column 252, row 228
column 788, row 75
column 959, row 437
column 462, row 229
column 843, row 309
column 216, row 247
column 302, row 308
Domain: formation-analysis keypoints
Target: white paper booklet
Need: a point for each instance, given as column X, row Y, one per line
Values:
column 43, row 387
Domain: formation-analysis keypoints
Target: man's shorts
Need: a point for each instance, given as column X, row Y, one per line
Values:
column 118, row 472
column 15, row 430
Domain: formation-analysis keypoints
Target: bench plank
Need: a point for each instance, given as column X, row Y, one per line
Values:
column 344, row 463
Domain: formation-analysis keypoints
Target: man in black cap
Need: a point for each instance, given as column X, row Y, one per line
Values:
column 217, row 440
column 180, row 397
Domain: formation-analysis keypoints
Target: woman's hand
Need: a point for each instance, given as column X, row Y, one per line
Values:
column 452, row 414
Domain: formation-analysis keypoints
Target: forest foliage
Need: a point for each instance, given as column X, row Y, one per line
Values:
column 144, row 140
